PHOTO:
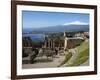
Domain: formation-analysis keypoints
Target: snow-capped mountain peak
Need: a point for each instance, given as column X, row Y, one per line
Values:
column 76, row 23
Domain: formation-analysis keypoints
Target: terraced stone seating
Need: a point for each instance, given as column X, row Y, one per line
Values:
column 31, row 55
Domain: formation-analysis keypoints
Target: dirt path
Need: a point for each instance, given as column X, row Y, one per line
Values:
column 74, row 56
column 43, row 62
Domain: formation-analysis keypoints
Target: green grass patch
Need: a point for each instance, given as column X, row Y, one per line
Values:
column 67, row 57
column 82, row 57
column 83, row 54
column 83, row 46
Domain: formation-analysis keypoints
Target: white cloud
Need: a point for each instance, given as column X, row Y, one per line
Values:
column 76, row 23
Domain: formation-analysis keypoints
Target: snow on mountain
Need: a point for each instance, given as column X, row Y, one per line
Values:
column 76, row 23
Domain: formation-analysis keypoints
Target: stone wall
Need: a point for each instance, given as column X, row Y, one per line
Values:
column 73, row 42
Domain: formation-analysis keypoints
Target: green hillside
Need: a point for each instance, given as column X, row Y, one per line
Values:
column 83, row 54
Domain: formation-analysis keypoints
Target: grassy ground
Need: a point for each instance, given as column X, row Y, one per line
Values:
column 83, row 55
column 67, row 57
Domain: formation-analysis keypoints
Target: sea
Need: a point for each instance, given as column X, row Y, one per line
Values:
column 35, row 37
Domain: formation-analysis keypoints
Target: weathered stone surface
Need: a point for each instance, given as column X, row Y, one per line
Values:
column 73, row 42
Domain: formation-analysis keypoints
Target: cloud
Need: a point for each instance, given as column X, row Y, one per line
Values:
column 76, row 23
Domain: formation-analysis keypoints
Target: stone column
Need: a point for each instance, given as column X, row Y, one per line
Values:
column 53, row 44
column 65, row 43
column 49, row 43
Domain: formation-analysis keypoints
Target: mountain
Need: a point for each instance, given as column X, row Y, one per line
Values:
column 62, row 28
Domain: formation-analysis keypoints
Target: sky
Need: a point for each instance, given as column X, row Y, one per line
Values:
column 39, row 19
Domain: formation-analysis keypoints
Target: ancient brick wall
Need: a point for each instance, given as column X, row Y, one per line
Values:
column 72, row 43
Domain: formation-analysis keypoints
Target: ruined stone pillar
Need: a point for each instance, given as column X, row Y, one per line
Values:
column 53, row 44
column 49, row 44
column 65, row 40
column 65, row 43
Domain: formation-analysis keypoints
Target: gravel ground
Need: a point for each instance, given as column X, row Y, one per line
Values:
column 43, row 62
